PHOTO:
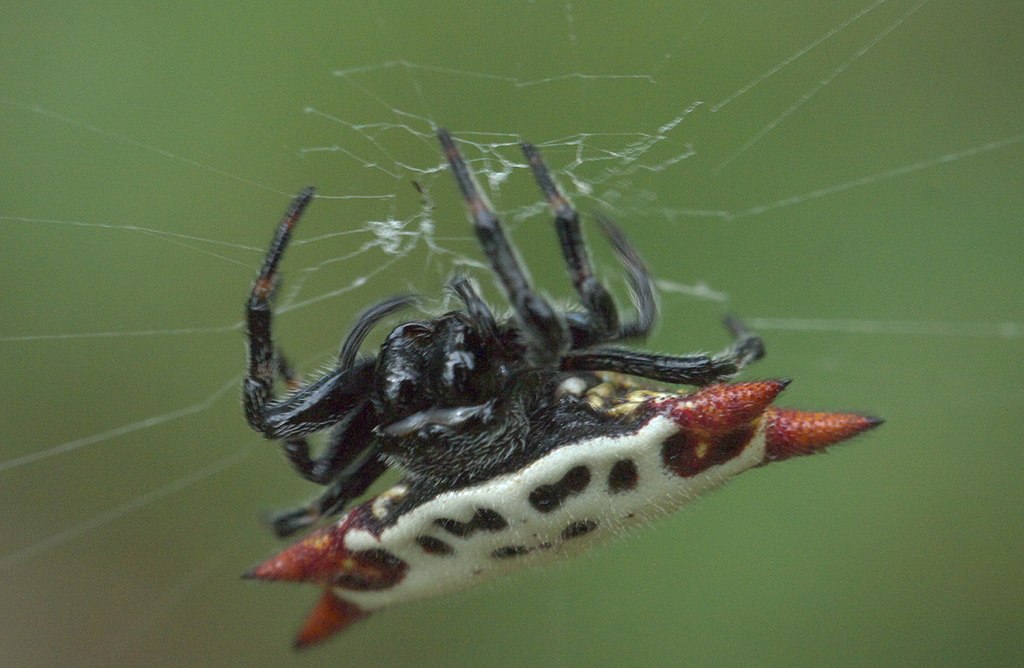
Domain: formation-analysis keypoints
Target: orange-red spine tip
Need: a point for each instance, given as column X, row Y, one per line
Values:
column 330, row 615
column 313, row 559
column 791, row 433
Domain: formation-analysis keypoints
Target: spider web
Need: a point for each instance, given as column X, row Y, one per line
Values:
column 811, row 178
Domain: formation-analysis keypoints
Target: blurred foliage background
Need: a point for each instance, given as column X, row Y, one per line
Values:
column 869, row 158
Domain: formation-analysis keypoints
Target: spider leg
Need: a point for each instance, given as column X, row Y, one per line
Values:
column 337, row 398
column 641, row 285
column 747, row 347
column 344, row 445
column 544, row 330
column 343, row 463
column 349, row 484
column 257, row 387
column 478, row 310
column 296, row 448
column 603, row 316
column 287, row 371
column 365, row 322
column 602, row 321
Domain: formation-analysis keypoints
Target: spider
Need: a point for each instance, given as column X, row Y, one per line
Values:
column 519, row 439
column 450, row 400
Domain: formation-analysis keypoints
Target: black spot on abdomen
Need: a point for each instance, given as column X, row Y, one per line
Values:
column 510, row 551
column 434, row 546
column 577, row 529
column 484, row 519
column 623, row 477
column 546, row 498
column 372, row 570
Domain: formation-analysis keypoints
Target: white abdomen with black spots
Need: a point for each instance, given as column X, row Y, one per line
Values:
column 561, row 504
column 404, row 545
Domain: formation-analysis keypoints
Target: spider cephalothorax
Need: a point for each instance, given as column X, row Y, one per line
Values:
column 519, row 439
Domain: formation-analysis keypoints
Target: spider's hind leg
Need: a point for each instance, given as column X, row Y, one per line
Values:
column 543, row 329
column 477, row 309
column 601, row 323
column 603, row 317
column 746, row 348
column 641, row 285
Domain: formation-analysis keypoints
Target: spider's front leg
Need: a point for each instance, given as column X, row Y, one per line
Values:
column 350, row 481
column 338, row 398
column 348, row 463
column 257, row 389
column 317, row 405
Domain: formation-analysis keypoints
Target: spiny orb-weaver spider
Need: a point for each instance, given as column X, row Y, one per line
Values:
column 520, row 439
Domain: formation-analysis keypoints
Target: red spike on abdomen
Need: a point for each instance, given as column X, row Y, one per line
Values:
column 792, row 433
column 718, row 409
column 324, row 558
column 316, row 558
column 329, row 616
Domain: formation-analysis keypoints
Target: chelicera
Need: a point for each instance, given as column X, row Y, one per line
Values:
column 518, row 439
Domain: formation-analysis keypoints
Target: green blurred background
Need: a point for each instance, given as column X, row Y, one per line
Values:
column 150, row 150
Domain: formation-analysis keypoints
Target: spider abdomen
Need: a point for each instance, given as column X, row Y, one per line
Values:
column 406, row 544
